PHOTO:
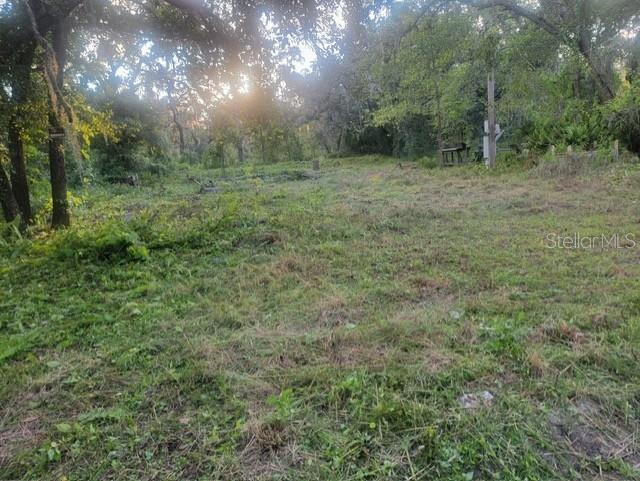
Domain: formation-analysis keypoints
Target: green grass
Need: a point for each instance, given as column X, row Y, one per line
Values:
column 324, row 328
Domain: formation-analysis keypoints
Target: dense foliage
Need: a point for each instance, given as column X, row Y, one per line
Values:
column 421, row 76
column 125, row 89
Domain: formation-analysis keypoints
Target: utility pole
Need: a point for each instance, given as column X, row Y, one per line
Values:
column 491, row 93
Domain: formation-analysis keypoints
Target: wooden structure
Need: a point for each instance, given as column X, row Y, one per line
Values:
column 455, row 155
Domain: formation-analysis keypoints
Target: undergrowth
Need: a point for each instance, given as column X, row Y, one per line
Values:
column 326, row 327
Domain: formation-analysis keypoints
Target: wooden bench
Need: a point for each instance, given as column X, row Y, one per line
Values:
column 454, row 155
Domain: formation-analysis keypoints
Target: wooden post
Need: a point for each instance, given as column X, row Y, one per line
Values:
column 616, row 150
column 491, row 93
column 553, row 151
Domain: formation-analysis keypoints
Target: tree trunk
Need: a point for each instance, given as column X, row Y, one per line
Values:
column 439, row 125
column 8, row 201
column 18, row 171
column 176, row 121
column 240, row 148
column 491, row 89
column 174, row 110
column 220, row 153
column 603, row 81
column 262, row 147
column 577, row 83
column 60, row 216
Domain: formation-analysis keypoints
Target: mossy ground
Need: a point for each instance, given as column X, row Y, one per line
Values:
column 325, row 328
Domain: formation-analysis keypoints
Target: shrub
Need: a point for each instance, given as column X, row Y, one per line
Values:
column 140, row 144
column 581, row 125
column 111, row 241
column 623, row 116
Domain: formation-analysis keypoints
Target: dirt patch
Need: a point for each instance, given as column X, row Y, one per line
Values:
column 588, row 433
column 270, row 449
column 431, row 288
column 297, row 265
column 266, row 436
column 17, row 437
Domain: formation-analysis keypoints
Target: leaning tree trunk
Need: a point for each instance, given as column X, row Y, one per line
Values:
column 580, row 40
column 603, row 81
column 603, row 77
column 7, row 200
column 18, row 171
column 60, row 215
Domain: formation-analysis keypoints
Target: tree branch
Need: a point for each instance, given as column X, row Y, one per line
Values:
column 50, row 60
column 521, row 12
column 198, row 9
column 577, row 43
column 427, row 9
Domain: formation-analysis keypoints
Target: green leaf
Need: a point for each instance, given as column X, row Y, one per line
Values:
column 64, row 427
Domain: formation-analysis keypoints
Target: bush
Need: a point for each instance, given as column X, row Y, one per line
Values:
column 140, row 144
column 623, row 115
column 581, row 125
column 111, row 241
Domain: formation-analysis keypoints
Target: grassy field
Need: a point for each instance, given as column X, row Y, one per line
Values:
column 293, row 327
